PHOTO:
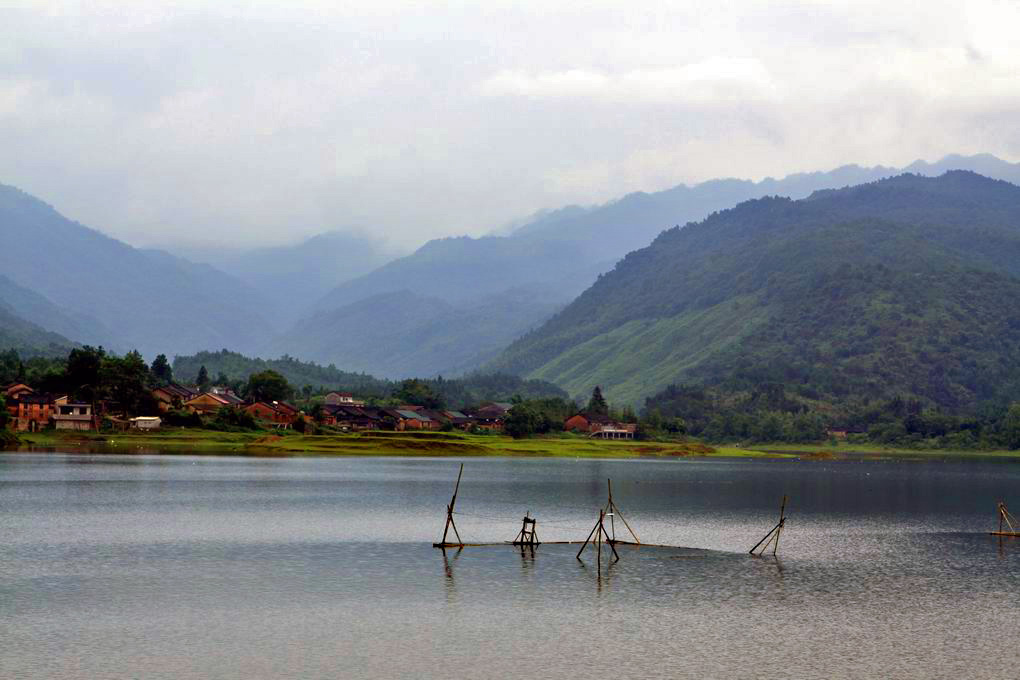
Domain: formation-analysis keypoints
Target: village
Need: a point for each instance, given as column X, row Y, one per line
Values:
column 29, row 410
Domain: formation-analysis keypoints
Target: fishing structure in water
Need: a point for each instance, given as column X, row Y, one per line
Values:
column 527, row 536
column 1007, row 523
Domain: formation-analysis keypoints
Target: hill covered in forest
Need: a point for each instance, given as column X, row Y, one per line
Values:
column 905, row 286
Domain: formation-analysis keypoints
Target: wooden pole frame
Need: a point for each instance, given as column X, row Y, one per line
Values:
column 1005, row 517
column 528, row 535
column 613, row 510
column 598, row 531
column 449, row 516
column 772, row 537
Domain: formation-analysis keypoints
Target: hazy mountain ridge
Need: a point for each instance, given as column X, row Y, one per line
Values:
column 562, row 252
column 291, row 278
column 154, row 301
column 402, row 333
column 907, row 283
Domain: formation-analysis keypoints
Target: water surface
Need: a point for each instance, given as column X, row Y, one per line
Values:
column 196, row 567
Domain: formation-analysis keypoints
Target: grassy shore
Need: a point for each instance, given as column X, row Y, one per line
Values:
column 173, row 440
column 178, row 440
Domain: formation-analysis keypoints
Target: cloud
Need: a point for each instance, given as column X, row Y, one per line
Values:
column 264, row 123
column 715, row 80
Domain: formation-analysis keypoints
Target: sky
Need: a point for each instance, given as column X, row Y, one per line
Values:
column 260, row 123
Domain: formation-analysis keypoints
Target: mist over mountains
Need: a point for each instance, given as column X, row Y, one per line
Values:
column 450, row 307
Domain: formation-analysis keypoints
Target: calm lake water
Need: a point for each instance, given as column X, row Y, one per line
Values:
column 207, row 567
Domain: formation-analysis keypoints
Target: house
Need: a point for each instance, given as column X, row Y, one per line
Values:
column 407, row 420
column 599, row 426
column 348, row 417
column 227, row 395
column 15, row 390
column 72, row 415
column 491, row 416
column 342, row 398
column 436, row 419
column 31, row 412
column 271, row 412
column 207, row 403
column 459, row 419
column 172, row 397
column 146, row 423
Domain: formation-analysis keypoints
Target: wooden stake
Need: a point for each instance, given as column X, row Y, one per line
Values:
column 773, row 534
column 449, row 512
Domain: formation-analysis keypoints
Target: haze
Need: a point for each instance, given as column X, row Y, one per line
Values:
column 217, row 125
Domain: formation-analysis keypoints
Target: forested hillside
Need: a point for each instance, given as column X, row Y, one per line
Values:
column 556, row 256
column 232, row 367
column 903, row 286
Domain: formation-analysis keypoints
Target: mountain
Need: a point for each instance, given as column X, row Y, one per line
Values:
column 289, row 279
column 400, row 334
column 27, row 338
column 157, row 303
column 35, row 308
column 558, row 254
column 908, row 285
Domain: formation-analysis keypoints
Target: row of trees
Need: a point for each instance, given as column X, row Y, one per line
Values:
column 768, row 412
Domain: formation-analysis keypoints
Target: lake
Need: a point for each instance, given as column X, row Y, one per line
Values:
column 215, row 567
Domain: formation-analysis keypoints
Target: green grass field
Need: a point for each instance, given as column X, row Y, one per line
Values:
column 173, row 440
column 180, row 441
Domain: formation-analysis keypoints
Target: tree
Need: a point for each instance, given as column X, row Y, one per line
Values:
column 268, row 386
column 1011, row 426
column 203, row 378
column 521, row 421
column 3, row 412
column 222, row 379
column 83, row 373
column 419, row 393
column 597, row 404
column 126, row 380
column 162, row 372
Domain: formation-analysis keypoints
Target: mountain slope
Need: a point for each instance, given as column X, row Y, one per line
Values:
column 28, row 338
column 156, row 302
column 908, row 284
column 38, row 310
column 558, row 254
column 400, row 334
column 291, row 278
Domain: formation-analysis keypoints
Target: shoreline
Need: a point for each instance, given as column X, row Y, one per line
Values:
column 439, row 444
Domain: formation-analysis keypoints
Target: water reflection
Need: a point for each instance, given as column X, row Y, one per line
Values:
column 194, row 567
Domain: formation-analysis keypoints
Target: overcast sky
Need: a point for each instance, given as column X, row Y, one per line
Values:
column 252, row 123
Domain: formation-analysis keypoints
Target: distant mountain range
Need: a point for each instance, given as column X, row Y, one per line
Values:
column 557, row 255
column 290, row 279
column 905, row 286
column 449, row 307
column 118, row 295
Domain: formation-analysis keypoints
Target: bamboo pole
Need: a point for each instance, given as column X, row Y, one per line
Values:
column 449, row 511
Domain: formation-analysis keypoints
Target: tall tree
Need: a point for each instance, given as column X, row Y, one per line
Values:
column 268, row 386
column 597, row 404
column 1011, row 426
column 162, row 372
column 126, row 380
column 203, row 379
column 84, row 366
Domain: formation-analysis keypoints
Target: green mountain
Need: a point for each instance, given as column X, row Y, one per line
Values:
column 907, row 285
column 156, row 303
column 556, row 255
column 29, row 339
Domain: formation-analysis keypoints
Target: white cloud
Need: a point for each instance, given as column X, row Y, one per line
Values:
column 270, row 121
